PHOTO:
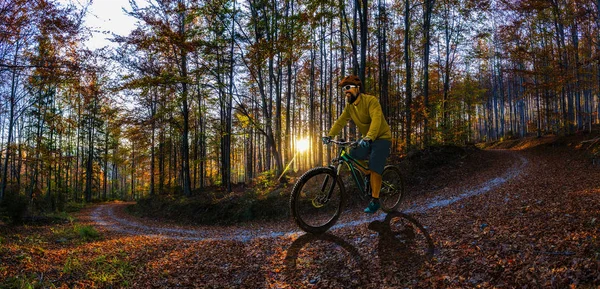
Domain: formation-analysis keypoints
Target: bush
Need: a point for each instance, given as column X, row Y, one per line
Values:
column 272, row 207
column 265, row 180
column 87, row 233
column 14, row 206
column 61, row 217
column 208, row 210
column 71, row 207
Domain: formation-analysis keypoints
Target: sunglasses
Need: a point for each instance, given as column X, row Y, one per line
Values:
column 348, row 87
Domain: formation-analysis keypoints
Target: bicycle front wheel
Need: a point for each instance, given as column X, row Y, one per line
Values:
column 316, row 200
column 392, row 189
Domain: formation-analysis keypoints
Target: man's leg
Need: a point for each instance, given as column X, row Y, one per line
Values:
column 380, row 150
column 375, row 184
column 360, row 154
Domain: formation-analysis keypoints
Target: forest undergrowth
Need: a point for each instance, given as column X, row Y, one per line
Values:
column 267, row 198
column 538, row 229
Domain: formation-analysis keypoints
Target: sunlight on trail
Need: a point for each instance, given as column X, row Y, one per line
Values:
column 104, row 216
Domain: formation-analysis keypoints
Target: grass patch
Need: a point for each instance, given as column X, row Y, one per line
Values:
column 106, row 271
column 87, row 233
column 72, row 265
column 24, row 258
column 34, row 239
column 63, row 234
column 62, row 217
column 3, row 248
column 110, row 270
column 29, row 281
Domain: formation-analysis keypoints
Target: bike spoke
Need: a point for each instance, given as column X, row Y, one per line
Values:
column 317, row 202
column 392, row 189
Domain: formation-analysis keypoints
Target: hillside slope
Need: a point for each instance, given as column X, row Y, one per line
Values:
column 525, row 217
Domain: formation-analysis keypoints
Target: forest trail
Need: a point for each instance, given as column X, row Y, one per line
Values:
column 495, row 219
column 113, row 216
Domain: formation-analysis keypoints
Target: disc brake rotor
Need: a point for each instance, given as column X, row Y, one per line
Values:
column 319, row 201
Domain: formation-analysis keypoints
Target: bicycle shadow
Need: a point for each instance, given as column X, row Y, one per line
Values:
column 404, row 244
column 309, row 262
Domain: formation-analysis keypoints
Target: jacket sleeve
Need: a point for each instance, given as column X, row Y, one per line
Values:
column 340, row 123
column 376, row 119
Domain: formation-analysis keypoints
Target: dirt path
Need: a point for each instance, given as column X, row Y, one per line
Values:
column 114, row 218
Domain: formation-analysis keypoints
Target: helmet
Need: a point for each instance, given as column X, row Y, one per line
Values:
column 350, row 79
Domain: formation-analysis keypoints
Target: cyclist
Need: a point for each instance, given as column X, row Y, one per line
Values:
column 375, row 145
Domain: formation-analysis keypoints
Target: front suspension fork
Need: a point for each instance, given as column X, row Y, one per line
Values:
column 327, row 178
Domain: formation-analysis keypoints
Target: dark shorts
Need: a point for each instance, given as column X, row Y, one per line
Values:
column 377, row 154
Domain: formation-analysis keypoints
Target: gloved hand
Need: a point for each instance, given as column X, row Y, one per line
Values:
column 364, row 143
column 326, row 139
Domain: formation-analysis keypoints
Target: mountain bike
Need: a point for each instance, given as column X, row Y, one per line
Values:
column 319, row 195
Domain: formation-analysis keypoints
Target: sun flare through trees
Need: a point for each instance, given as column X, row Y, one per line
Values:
column 213, row 93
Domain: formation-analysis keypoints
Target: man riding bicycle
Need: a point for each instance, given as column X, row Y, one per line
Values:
column 366, row 113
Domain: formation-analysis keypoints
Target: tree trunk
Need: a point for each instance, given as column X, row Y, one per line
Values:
column 162, row 172
column 598, row 64
column 11, row 121
column 133, row 170
column 364, row 29
column 427, row 39
column 564, row 64
column 89, row 165
column 288, row 98
column 408, row 74
column 105, row 173
column 577, row 77
column 445, row 113
column 383, row 62
column 229, row 105
column 153, row 105
column 185, row 151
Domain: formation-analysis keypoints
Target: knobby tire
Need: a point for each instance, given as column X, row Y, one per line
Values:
column 391, row 199
column 319, row 180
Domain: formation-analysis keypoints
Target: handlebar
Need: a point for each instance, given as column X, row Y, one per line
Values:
column 352, row 144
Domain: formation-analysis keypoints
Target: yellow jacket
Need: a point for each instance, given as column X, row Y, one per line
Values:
column 368, row 117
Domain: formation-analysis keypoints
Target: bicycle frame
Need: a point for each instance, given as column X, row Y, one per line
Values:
column 352, row 163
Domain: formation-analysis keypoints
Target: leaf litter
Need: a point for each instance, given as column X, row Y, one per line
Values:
column 499, row 219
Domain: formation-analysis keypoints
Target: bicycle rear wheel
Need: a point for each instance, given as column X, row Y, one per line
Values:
column 316, row 200
column 392, row 189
